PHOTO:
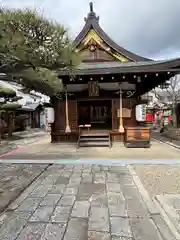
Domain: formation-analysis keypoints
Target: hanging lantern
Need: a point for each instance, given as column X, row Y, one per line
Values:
column 68, row 129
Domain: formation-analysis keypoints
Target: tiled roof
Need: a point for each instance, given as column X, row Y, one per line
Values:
column 116, row 64
column 95, row 68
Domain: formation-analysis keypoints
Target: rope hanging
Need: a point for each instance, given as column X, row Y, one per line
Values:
column 121, row 128
column 68, row 129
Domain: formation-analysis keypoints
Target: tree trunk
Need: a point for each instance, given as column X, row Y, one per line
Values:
column 174, row 117
column 2, row 127
column 11, row 125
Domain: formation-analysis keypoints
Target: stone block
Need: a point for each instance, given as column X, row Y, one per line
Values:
column 92, row 235
column 144, row 229
column 120, row 227
column 29, row 204
column 99, row 219
column 57, row 189
column 42, row 214
column 67, row 200
column 76, row 229
column 71, row 190
column 32, row 232
column 53, row 232
column 13, row 225
column 50, row 200
column 61, row 214
column 81, row 209
column 113, row 187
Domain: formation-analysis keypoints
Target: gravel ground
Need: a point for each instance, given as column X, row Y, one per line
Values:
column 159, row 179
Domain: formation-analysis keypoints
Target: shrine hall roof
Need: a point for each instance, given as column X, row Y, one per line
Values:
column 92, row 22
column 113, row 67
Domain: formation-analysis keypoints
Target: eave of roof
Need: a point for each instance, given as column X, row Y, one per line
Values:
column 95, row 68
column 30, row 107
column 92, row 22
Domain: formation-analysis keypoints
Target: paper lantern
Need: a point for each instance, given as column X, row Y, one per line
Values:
column 49, row 114
column 141, row 113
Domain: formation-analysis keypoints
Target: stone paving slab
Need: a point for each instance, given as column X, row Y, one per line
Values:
column 64, row 204
column 14, row 178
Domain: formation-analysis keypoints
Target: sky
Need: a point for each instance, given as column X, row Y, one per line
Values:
column 150, row 28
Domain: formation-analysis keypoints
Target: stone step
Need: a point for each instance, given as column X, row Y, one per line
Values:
column 94, row 135
column 94, row 139
column 94, row 144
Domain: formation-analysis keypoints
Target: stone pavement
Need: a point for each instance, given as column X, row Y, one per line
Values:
column 14, row 178
column 82, row 202
column 43, row 149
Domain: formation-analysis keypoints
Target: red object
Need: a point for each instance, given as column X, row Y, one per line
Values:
column 149, row 117
column 170, row 118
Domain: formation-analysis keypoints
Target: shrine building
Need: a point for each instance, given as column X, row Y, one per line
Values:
column 103, row 91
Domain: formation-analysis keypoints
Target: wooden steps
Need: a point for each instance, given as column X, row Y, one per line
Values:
column 94, row 140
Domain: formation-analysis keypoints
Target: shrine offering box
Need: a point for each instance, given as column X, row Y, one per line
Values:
column 137, row 137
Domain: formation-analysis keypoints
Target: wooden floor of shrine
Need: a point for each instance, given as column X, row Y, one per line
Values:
column 90, row 137
column 137, row 136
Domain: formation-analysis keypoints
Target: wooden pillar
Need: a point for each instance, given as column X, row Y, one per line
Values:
column 113, row 116
column 59, row 124
column 72, row 106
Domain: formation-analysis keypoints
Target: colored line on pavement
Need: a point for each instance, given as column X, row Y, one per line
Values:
column 107, row 162
column 11, row 151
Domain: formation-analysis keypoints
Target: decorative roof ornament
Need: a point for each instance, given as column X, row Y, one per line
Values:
column 91, row 6
column 91, row 15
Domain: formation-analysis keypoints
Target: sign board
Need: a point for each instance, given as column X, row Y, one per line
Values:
column 93, row 88
column 126, row 112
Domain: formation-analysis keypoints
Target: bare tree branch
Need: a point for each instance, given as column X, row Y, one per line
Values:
column 169, row 95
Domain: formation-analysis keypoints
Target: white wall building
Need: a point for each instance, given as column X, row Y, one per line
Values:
column 27, row 99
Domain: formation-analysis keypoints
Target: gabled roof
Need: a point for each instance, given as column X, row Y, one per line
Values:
column 92, row 22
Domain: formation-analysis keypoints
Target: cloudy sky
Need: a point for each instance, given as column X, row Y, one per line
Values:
column 150, row 28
